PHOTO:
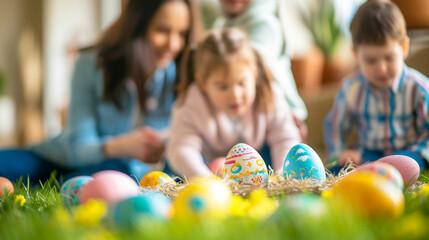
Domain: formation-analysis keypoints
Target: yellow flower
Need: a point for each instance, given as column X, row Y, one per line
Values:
column 326, row 194
column 90, row 213
column 239, row 206
column 61, row 218
column 261, row 206
column 425, row 189
column 411, row 226
column 20, row 200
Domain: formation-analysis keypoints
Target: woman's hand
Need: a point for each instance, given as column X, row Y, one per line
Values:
column 302, row 127
column 143, row 143
column 349, row 156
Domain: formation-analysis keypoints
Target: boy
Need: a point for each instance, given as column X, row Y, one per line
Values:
column 384, row 101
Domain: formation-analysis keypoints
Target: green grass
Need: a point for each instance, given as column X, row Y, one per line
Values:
column 44, row 217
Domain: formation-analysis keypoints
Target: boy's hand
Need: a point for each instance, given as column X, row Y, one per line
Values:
column 349, row 156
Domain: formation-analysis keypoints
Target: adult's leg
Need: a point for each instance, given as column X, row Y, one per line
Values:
column 371, row 155
column 422, row 163
column 16, row 163
column 133, row 168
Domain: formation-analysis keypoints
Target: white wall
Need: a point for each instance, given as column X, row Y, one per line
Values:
column 68, row 24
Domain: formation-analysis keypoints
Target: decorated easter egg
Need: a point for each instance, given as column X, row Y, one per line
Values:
column 6, row 186
column 244, row 167
column 156, row 178
column 407, row 166
column 70, row 190
column 203, row 199
column 302, row 162
column 369, row 194
column 109, row 186
column 131, row 211
column 383, row 169
column 216, row 166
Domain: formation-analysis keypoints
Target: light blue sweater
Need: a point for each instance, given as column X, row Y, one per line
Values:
column 261, row 23
column 91, row 121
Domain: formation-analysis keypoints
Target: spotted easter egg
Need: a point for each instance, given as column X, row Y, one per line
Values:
column 302, row 162
column 129, row 212
column 6, row 186
column 156, row 178
column 369, row 194
column 407, row 166
column 244, row 167
column 70, row 190
column 383, row 169
column 202, row 199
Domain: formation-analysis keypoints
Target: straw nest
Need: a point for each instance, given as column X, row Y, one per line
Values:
column 276, row 186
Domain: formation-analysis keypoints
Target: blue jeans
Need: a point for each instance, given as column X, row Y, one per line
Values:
column 371, row 156
column 16, row 163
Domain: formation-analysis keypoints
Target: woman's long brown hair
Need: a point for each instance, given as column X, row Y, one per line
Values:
column 123, row 52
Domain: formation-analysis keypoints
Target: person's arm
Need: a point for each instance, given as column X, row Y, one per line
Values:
column 337, row 124
column 282, row 132
column 184, row 145
column 421, row 145
column 267, row 38
column 84, row 144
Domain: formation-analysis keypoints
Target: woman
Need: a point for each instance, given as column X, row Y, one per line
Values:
column 121, row 95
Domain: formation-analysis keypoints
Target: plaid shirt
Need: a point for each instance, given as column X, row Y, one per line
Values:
column 387, row 120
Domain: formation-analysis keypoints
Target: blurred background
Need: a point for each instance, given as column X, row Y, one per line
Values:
column 39, row 41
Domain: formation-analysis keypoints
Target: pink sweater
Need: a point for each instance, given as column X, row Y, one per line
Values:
column 197, row 129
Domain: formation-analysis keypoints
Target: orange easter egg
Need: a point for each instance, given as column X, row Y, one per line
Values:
column 5, row 186
column 156, row 178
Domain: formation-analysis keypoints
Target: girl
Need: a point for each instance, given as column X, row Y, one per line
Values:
column 227, row 96
column 121, row 96
column 265, row 21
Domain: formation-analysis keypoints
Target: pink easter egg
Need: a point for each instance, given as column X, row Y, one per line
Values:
column 384, row 169
column 216, row 166
column 407, row 166
column 110, row 186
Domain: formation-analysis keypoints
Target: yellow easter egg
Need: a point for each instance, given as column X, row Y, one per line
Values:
column 370, row 194
column 200, row 200
column 156, row 178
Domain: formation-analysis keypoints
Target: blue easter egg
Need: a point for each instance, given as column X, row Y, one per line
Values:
column 302, row 162
column 70, row 190
column 128, row 212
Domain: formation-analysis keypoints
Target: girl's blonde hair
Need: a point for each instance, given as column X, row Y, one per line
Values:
column 222, row 48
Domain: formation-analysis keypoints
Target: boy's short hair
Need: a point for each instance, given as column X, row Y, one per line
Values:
column 376, row 21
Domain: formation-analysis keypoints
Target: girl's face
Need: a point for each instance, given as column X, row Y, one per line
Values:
column 382, row 64
column 167, row 31
column 232, row 92
column 235, row 7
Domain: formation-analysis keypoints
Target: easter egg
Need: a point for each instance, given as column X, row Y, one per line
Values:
column 369, row 194
column 6, row 186
column 407, row 166
column 109, row 186
column 131, row 211
column 244, row 167
column 206, row 199
column 156, row 178
column 299, row 205
column 383, row 169
column 70, row 190
column 302, row 162
column 216, row 166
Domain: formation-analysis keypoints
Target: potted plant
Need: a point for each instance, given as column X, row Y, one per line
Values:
column 327, row 36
